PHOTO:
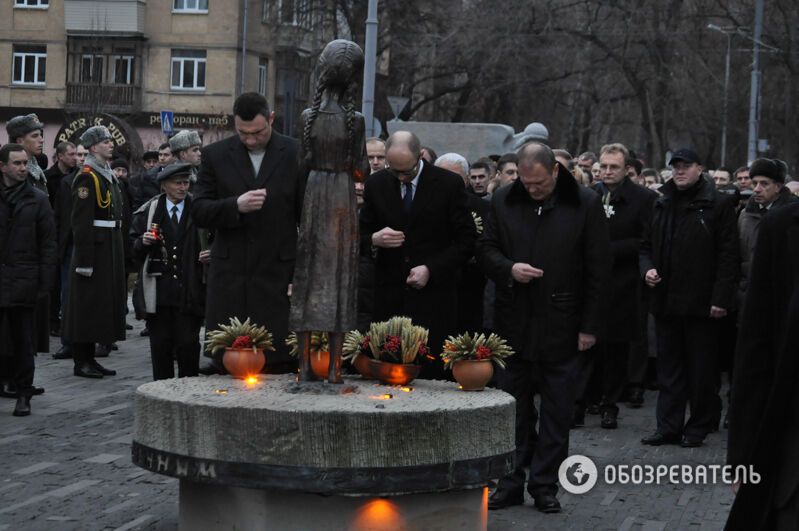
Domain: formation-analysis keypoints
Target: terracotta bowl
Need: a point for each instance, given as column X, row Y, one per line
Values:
column 241, row 363
column 473, row 375
column 364, row 368
column 394, row 373
column 320, row 363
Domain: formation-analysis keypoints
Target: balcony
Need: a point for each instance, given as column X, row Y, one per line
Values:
column 111, row 98
column 116, row 17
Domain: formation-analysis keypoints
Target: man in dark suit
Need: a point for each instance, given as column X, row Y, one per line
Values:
column 415, row 218
column 546, row 246
column 628, row 208
column 174, row 294
column 249, row 192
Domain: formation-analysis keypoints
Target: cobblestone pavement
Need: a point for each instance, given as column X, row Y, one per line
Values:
column 67, row 466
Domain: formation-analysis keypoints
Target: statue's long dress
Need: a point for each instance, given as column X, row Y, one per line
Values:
column 325, row 287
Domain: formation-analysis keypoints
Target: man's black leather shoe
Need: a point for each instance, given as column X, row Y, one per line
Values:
column 691, row 442
column 23, row 407
column 657, row 439
column 609, row 421
column 502, row 498
column 7, row 390
column 103, row 370
column 144, row 332
column 86, row 370
column 547, row 503
column 636, row 397
column 64, row 353
column 37, row 391
column 579, row 418
column 102, row 351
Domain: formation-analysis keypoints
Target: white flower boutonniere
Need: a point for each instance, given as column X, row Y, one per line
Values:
column 609, row 210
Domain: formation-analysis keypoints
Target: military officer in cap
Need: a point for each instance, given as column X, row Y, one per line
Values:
column 185, row 146
column 97, row 294
column 166, row 240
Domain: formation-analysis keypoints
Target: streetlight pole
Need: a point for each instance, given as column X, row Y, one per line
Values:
column 754, row 95
column 368, row 103
column 729, row 35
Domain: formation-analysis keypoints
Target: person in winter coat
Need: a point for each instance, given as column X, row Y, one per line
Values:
column 27, row 253
column 689, row 258
column 172, row 274
column 546, row 246
column 97, row 291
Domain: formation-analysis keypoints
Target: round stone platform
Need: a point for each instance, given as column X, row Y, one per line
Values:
column 357, row 439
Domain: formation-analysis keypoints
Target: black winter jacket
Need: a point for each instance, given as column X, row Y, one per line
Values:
column 27, row 247
column 692, row 242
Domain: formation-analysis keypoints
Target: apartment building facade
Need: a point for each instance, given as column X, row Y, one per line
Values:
column 120, row 63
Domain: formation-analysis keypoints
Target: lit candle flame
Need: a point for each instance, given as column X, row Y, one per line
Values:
column 381, row 397
column 251, row 380
column 407, row 389
column 221, row 391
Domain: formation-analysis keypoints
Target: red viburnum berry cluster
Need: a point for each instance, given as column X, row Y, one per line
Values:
column 483, row 352
column 392, row 344
column 242, row 342
column 365, row 344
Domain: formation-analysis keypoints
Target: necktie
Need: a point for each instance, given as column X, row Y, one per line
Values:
column 174, row 216
column 407, row 201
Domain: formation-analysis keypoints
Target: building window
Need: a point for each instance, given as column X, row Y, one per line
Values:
column 91, row 68
column 32, row 4
column 190, row 6
column 188, row 69
column 30, row 64
column 289, row 12
column 123, row 69
column 263, row 72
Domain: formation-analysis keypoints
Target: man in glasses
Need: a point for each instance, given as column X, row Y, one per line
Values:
column 416, row 224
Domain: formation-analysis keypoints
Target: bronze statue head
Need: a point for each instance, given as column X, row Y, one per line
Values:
column 341, row 63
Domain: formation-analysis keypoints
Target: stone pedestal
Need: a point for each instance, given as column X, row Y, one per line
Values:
column 275, row 455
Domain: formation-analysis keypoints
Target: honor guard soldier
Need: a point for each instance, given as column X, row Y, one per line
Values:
column 185, row 146
column 97, row 294
column 166, row 240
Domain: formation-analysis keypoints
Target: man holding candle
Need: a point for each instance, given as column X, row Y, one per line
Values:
column 167, row 242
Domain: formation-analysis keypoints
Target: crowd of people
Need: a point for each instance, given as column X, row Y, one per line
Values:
column 569, row 259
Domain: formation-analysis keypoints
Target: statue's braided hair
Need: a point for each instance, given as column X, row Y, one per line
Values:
column 339, row 65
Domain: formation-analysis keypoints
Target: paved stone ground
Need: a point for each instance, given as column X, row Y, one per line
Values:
column 68, row 465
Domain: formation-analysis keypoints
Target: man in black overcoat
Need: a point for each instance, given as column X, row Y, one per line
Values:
column 95, row 309
column 416, row 220
column 249, row 192
column 764, row 407
column 63, row 223
column 546, row 246
column 628, row 208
